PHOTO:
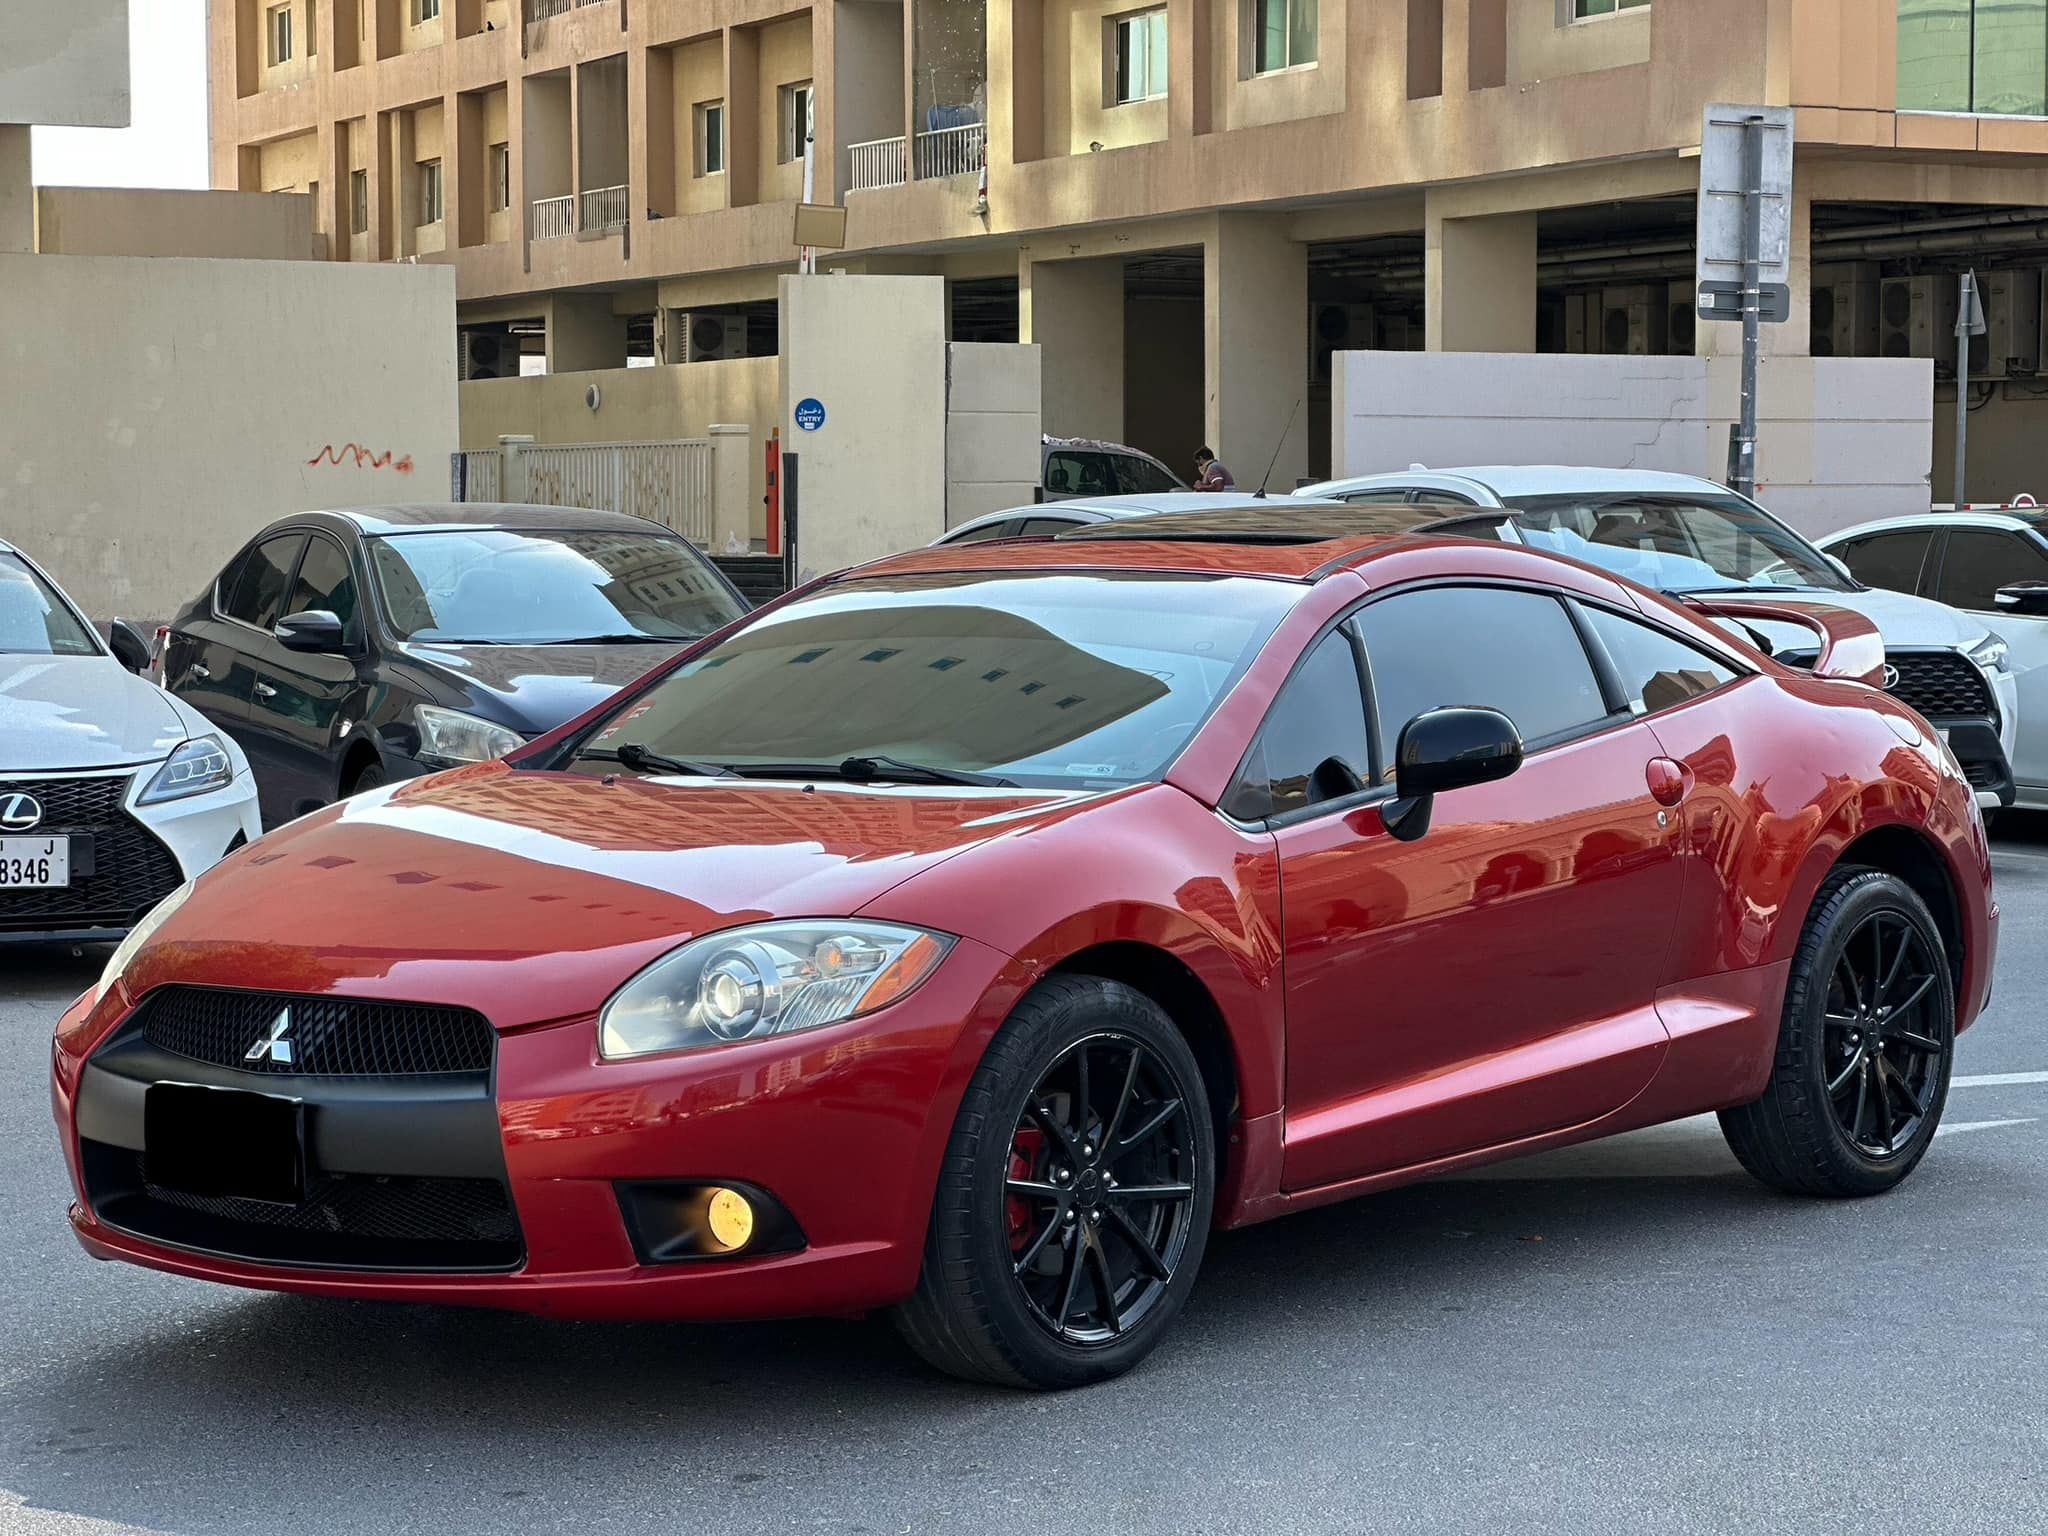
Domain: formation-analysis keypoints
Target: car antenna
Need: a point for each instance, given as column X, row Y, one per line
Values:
column 1260, row 493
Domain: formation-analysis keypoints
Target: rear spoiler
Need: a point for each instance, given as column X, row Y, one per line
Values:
column 1850, row 646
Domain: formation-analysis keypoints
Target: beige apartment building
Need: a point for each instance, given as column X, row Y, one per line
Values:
column 1189, row 205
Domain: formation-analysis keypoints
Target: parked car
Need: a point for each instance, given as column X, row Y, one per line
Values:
column 970, row 934
column 112, row 793
column 1051, row 518
column 1081, row 466
column 1680, row 534
column 347, row 649
column 1993, row 565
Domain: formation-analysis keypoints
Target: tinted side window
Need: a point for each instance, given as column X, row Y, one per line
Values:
column 1141, row 477
column 1001, row 528
column 259, row 589
column 1657, row 670
column 1071, row 472
column 1320, row 714
column 324, row 582
column 1045, row 527
column 1888, row 560
column 1390, row 498
column 1979, row 562
column 1516, row 652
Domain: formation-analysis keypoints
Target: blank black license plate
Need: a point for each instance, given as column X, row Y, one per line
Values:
column 224, row 1142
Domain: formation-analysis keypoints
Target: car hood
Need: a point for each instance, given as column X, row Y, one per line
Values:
column 63, row 712
column 534, row 688
column 533, row 896
column 1902, row 619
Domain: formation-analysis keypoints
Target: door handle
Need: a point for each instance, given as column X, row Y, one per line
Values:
column 265, row 691
column 1669, row 780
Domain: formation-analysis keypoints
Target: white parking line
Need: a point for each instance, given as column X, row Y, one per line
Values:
column 1998, row 1080
column 1956, row 1128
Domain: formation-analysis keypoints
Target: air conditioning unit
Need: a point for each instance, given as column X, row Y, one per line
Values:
column 1916, row 317
column 1843, row 315
column 709, row 337
column 489, row 355
column 1334, row 328
column 1632, row 320
column 2012, row 317
column 1682, row 319
column 1581, row 322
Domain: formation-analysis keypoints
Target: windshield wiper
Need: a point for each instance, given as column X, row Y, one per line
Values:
column 642, row 760
column 621, row 639
column 873, row 766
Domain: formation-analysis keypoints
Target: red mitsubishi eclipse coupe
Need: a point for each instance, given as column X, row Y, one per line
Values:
column 967, row 934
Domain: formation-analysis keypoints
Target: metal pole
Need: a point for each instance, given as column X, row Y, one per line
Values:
column 1966, row 293
column 807, row 256
column 1752, row 298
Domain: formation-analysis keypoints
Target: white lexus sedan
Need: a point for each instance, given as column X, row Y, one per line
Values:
column 112, row 793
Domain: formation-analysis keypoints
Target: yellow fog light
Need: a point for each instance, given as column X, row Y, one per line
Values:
column 730, row 1219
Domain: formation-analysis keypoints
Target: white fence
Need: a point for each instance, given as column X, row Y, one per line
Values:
column 669, row 483
column 877, row 163
column 478, row 476
column 554, row 218
column 541, row 10
column 604, row 208
column 951, row 151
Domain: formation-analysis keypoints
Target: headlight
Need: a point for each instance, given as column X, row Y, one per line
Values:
column 1992, row 654
column 450, row 736
column 772, row 979
column 141, row 934
column 199, row 765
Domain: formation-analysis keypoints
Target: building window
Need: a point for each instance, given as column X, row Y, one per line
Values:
column 1981, row 56
column 796, row 120
column 1593, row 10
column 1283, row 34
column 278, row 24
column 1140, row 56
column 424, row 11
column 501, row 177
column 359, row 202
column 710, row 138
column 430, row 191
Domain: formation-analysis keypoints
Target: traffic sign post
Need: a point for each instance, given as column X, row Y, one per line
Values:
column 1969, row 322
column 1745, row 244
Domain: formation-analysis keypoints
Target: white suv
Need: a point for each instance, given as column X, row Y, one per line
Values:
column 1684, row 536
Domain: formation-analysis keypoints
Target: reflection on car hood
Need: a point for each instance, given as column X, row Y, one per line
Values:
column 1902, row 619
column 558, row 886
column 59, row 712
column 536, row 687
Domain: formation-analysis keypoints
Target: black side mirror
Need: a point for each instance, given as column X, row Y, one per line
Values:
column 130, row 646
column 1444, row 749
column 316, row 631
column 2029, row 599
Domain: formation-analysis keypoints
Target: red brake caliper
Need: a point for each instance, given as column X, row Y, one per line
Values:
column 1026, row 1153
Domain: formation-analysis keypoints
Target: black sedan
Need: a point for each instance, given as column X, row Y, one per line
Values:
column 345, row 649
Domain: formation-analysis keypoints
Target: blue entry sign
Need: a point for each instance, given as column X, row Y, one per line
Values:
column 810, row 414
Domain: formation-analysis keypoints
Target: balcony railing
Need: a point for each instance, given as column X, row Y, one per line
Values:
column 950, row 151
column 542, row 10
column 554, row 218
column 604, row 208
column 878, row 163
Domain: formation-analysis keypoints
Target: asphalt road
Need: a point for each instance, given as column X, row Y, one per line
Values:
column 1627, row 1337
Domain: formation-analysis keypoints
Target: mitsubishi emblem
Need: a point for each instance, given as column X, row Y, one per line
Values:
column 274, row 1044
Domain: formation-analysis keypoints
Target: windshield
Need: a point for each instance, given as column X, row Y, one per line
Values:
column 34, row 620
column 1675, row 543
column 505, row 586
column 1051, row 680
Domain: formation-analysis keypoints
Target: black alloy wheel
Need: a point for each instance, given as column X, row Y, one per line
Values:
column 1884, row 1056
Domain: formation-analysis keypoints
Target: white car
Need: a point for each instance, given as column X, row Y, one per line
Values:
column 1685, row 536
column 1046, row 519
column 112, row 793
column 1994, row 564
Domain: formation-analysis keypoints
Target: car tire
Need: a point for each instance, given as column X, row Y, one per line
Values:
column 372, row 777
column 999, row 1264
column 1846, row 1056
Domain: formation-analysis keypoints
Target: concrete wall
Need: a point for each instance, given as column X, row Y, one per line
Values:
column 1080, row 61
column 785, row 59
column 699, row 77
column 182, row 404
column 2006, row 435
column 64, row 63
column 1839, row 439
column 1075, row 311
column 872, row 350
column 119, row 221
column 992, row 428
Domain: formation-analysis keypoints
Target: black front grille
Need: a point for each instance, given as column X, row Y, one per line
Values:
column 119, row 868
column 360, row 1221
column 1940, row 684
column 328, row 1037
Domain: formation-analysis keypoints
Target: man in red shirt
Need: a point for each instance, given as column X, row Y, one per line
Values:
column 1210, row 473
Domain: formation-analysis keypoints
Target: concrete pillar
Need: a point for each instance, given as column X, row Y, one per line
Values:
column 1189, row 45
column 512, row 466
column 584, row 334
column 733, row 508
column 651, row 93
column 1255, row 344
column 742, row 116
column 1479, row 283
column 17, row 191
column 463, row 169
column 1074, row 312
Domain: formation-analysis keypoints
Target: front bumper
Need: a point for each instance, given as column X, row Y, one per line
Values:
column 1980, row 749
column 843, row 1126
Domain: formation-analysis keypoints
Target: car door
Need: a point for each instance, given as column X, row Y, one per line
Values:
column 298, row 699
column 211, row 665
column 1137, row 475
column 1495, row 979
column 1893, row 559
column 1974, row 565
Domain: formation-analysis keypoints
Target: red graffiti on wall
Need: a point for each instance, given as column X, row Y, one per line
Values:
column 362, row 457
